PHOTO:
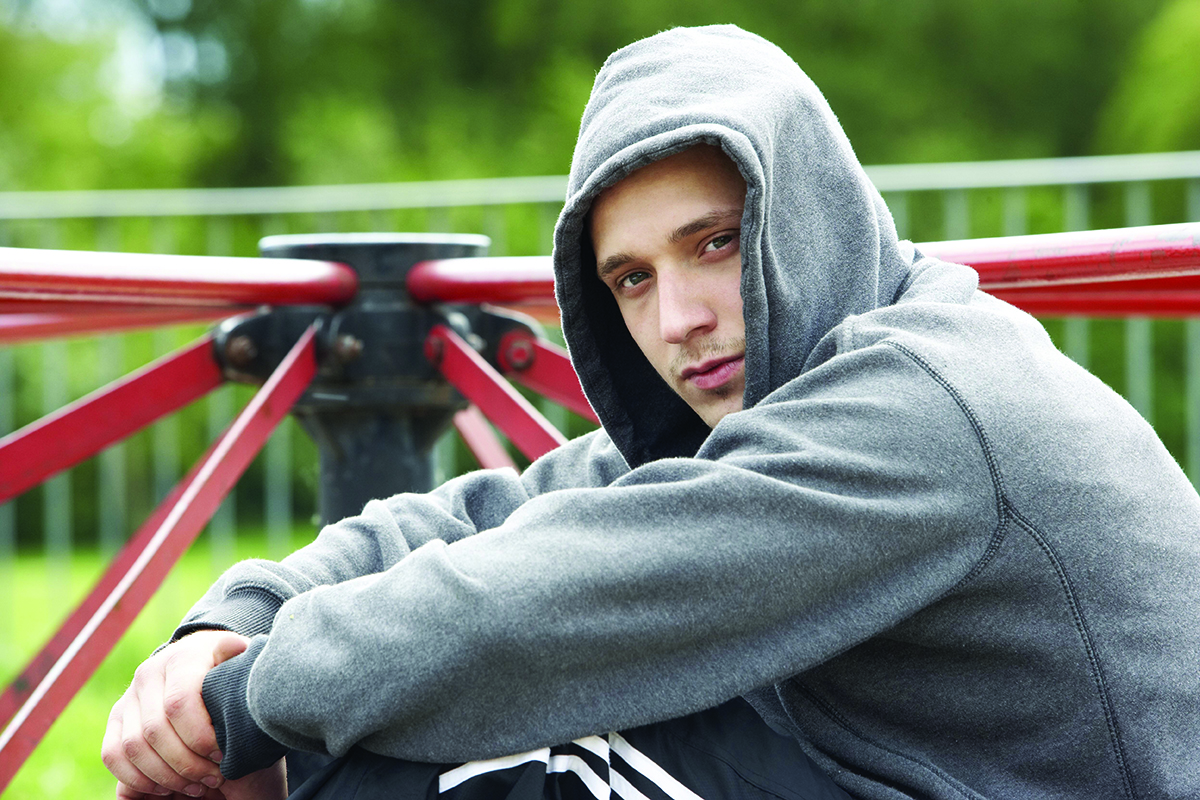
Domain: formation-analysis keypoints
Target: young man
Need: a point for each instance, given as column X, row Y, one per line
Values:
column 935, row 556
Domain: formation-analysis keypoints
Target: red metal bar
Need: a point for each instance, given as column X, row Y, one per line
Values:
column 468, row 372
column 83, row 428
column 546, row 369
column 1084, row 256
column 40, row 665
column 23, row 327
column 1171, row 283
column 1006, row 262
column 481, row 440
column 501, row 280
column 15, row 305
column 1070, row 301
column 172, row 280
column 198, row 497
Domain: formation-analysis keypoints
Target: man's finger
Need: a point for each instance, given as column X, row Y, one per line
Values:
column 131, row 781
column 228, row 646
column 182, row 701
column 151, row 743
column 125, row 792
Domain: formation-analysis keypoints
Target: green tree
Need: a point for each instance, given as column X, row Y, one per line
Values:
column 62, row 126
column 262, row 92
column 1156, row 104
column 350, row 90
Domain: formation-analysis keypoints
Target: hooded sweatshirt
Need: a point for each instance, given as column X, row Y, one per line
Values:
column 945, row 559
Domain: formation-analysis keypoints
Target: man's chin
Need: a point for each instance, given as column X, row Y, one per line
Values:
column 718, row 404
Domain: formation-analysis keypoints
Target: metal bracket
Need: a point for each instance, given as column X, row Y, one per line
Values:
column 491, row 331
column 249, row 347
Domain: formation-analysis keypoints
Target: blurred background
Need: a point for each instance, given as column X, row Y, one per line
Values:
column 108, row 94
column 123, row 123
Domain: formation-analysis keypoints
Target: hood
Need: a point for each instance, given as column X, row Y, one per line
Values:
column 817, row 242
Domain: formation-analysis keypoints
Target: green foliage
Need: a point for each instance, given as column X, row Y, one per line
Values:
column 262, row 92
column 345, row 90
column 1156, row 104
column 61, row 128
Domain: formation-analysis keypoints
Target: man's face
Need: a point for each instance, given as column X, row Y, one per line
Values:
column 667, row 246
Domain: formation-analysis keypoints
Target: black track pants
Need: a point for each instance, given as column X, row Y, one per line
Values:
column 724, row 753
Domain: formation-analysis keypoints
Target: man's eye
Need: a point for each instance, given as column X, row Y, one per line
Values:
column 719, row 242
column 631, row 280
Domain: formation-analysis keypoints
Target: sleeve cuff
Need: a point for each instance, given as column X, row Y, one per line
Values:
column 248, row 612
column 245, row 747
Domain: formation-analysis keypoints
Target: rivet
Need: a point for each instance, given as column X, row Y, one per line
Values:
column 347, row 348
column 240, row 351
column 519, row 354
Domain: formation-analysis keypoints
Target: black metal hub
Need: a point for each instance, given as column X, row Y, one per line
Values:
column 377, row 405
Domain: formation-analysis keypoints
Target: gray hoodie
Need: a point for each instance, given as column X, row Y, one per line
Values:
column 944, row 558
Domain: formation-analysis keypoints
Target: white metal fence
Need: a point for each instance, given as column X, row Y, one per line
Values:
column 1156, row 364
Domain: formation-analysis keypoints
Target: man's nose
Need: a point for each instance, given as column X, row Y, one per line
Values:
column 683, row 310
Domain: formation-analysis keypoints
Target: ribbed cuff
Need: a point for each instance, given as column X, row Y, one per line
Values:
column 246, row 748
column 247, row 611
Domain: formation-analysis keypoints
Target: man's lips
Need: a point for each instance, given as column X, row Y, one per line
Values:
column 713, row 373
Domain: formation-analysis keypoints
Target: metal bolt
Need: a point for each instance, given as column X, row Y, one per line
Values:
column 347, row 348
column 240, row 351
column 519, row 353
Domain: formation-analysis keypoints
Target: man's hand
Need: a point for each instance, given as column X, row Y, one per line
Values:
column 160, row 739
column 266, row 784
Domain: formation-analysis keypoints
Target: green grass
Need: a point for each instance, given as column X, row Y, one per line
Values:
column 37, row 594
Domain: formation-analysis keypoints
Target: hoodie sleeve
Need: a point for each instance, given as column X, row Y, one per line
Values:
column 840, row 505
column 246, row 598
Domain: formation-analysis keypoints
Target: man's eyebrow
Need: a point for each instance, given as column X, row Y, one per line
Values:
column 703, row 223
column 709, row 220
column 612, row 264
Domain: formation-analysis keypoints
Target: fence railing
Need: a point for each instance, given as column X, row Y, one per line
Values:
column 1156, row 364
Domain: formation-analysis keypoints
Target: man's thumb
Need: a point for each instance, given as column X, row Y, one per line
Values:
column 228, row 646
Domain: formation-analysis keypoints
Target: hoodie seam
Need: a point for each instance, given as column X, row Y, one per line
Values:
column 1089, row 646
column 1006, row 511
column 995, row 539
column 989, row 456
column 832, row 713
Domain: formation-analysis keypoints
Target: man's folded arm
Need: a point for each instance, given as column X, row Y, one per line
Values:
column 246, row 597
column 245, row 746
column 684, row 583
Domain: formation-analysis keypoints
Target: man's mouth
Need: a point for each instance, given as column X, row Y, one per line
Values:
column 713, row 373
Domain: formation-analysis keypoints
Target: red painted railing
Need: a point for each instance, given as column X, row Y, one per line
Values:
column 87, row 426
column 482, row 385
column 48, row 293
column 1090, row 272
column 62, row 668
column 1151, row 270
column 74, row 275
